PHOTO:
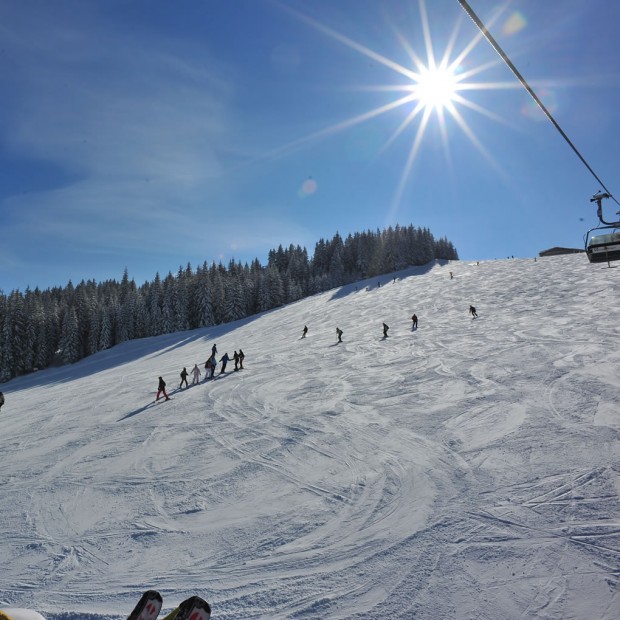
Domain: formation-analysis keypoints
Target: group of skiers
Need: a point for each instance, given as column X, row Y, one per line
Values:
column 211, row 363
column 210, row 366
column 414, row 325
column 239, row 356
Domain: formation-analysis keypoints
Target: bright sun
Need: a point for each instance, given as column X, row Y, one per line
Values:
column 435, row 88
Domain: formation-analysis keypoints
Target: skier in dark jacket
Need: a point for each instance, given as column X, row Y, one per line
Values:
column 414, row 320
column 241, row 358
column 305, row 331
column 339, row 334
column 224, row 359
column 161, row 389
column 214, row 349
column 385, row 330
column 472, row 311
column 184, row 374
column 210, row 365
column 236, row 358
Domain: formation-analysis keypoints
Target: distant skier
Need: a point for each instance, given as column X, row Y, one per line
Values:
column 472, row 311
column 161, row 389
column 224, row 359
column 339, row 334
column 195, row 374
column 236, row 358
column 214, row 350
column 451, row 276
column 1, row 399
column 305, row 331
column 385, row 330
column 414, row 320
column 241, row 358
column 184, row 374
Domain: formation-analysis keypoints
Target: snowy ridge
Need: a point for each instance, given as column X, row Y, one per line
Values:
column 467, row 469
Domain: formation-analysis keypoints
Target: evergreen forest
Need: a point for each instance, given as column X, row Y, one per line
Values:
column 39, row 329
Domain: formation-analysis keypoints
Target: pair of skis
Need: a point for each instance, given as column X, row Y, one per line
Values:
column 150, row 604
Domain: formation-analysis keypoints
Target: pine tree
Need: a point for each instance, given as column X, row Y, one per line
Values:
column 70, row 337
column 234, row 308
column 105, row 335
column 6, row 351
column 156, row 324
column 168, row 308
column 216, row 276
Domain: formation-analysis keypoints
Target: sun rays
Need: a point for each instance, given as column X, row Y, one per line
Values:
column 431, row 89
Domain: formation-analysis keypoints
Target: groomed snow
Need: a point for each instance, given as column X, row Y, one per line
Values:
column 469, row 469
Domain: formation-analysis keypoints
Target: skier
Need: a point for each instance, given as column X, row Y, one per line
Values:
column 236, row 358
column 241, row 358
column 184, row 374
column 210, row 365
column 385, row 330
column 1, row 399
column 214, row 349
column 414, row 319
column 339, row 334
column 451, row 276
column 224, row 359
column 161, row 389
column 472, row 311
column 196, row 374
column 305, row 331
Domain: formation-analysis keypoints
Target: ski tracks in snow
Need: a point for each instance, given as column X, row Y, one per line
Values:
column 468, row 468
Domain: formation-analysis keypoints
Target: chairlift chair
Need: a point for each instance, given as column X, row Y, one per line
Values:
column 605, row 247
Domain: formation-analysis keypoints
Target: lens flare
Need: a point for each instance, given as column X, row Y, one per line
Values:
column 514, row 24
column 532, row 111
column 308, row 187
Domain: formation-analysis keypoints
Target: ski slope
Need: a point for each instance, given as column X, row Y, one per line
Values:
column 468, row 469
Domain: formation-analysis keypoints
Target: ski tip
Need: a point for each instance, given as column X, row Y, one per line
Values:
column 153, row 594
column 193, row 608
column 148, row 606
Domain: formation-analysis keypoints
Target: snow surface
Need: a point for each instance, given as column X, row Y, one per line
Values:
column 468, row 469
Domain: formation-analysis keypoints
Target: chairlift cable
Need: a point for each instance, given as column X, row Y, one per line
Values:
column 511, row 66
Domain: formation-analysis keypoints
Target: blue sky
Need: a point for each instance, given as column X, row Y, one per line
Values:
column 148, row 134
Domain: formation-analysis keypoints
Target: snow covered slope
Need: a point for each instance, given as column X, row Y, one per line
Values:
column 469, row 469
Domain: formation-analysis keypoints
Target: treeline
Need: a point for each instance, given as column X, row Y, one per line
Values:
column 64, row 325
